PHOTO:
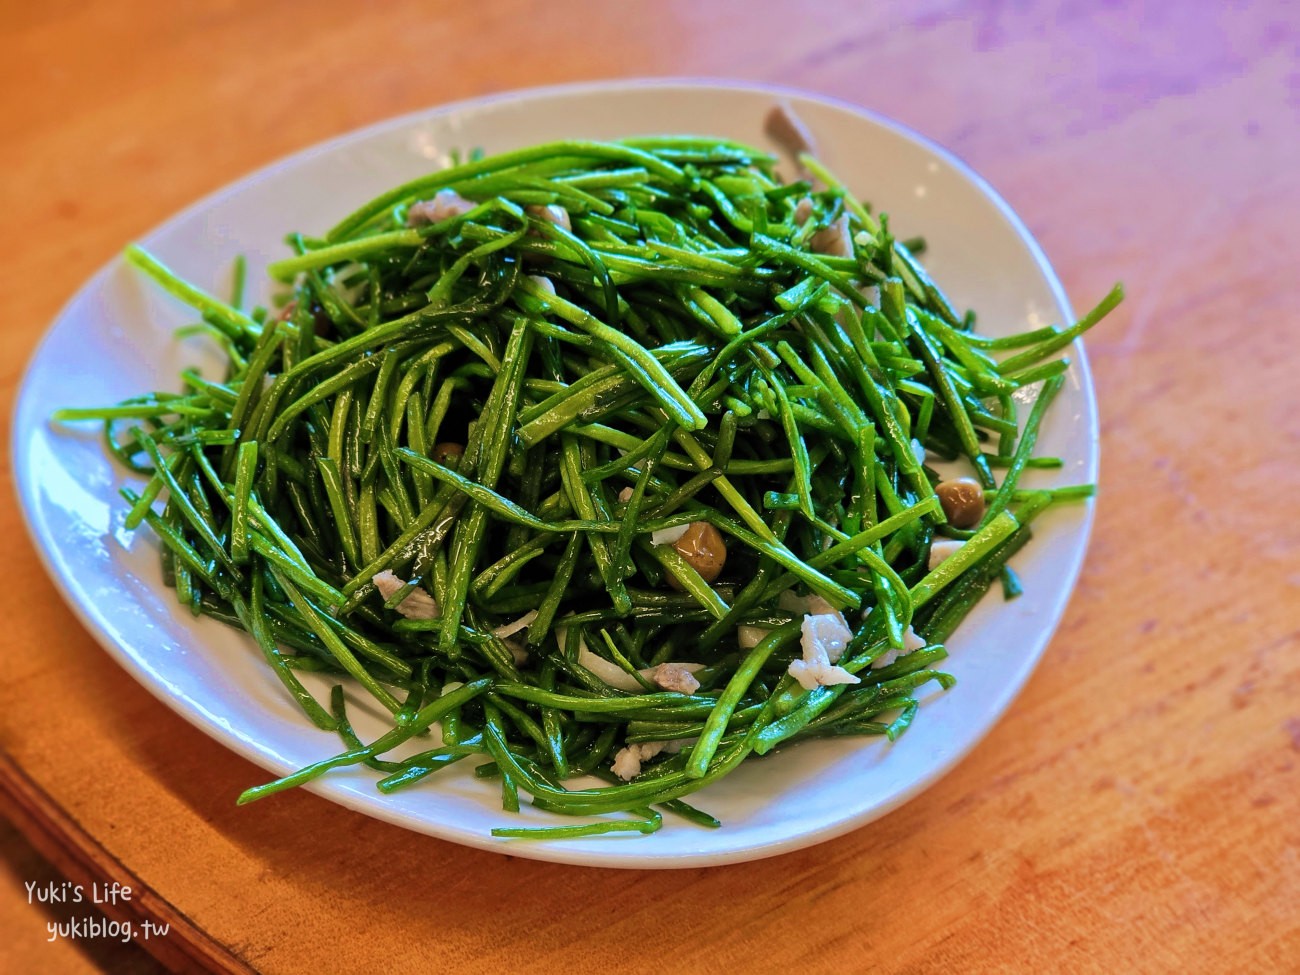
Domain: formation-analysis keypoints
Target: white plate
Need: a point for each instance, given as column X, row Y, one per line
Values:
column 115, row 339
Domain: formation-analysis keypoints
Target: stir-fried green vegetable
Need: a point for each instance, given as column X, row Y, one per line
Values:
column 559, row 453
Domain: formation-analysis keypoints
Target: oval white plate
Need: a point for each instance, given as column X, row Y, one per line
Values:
column 115, row 340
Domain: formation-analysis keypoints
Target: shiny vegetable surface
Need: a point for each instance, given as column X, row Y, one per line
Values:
column 530, row 428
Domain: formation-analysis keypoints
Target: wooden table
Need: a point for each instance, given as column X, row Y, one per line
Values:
column 1135, row 810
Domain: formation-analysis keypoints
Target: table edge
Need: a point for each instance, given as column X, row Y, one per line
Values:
column 83, row 860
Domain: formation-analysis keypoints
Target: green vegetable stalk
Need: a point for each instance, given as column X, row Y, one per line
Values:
column 456, row 467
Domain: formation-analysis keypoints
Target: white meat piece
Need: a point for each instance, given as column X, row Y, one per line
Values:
column 387, row 583
column 627, row 763
column 444, row 205
column 802, row 211
column 813, row 603
column 835, row 240
column 616, row 677
column 788, row 131
column 418, row 604
column 675, row 677
column 830, row 630
column 554, row 213
column 824, row 637
column 942, row 549
column 886, row 658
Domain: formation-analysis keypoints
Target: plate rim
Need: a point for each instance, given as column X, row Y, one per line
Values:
column 623, row 858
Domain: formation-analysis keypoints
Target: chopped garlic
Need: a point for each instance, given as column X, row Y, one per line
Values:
column 545, row 283
column 625, row 495
column 554, row 213
column 445, row 204
column 943, row 548
column 510, row 629
column 611, row 673
column 750, row 636
column 825, row 637
column 418, row 604
column 517, row 651
column 627, row 763
column 615, row 676
column 667, row 536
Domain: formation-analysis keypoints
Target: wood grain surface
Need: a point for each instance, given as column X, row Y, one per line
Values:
column 1136, row 810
